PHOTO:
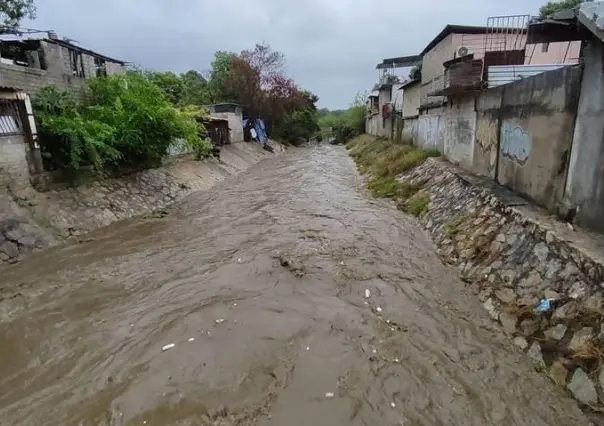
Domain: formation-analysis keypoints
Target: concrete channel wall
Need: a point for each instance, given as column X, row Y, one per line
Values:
column 31, row 220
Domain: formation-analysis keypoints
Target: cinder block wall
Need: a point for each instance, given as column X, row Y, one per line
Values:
column 58, row 73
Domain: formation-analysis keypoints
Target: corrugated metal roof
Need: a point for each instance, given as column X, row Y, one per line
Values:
column 12, row 39
column 400, row 62
column 409, row 83
column 503, row 74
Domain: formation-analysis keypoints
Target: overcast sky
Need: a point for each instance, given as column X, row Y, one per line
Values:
column 331, row 46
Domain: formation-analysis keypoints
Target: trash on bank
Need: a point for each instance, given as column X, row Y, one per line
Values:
column 544, row 306
column 192, row 339
column 378, row 309
column 167, row 347
column 219, row 321
column 367, row 294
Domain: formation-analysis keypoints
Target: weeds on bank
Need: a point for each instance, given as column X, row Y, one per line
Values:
column 384, row 160
column 416, row 204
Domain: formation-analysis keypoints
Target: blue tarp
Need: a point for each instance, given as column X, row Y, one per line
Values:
column 259, row 127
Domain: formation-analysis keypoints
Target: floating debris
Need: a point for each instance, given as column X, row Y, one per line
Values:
column 192, row 339
column 234, row 304
column 308, row 348
column 168, row 347
column 367, row 294
column 218, row 321
column 544, row 306
column 329, row 395
column 392, row 404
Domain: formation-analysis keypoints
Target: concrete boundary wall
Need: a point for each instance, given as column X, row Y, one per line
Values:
column 431, row 129
column 519, row 134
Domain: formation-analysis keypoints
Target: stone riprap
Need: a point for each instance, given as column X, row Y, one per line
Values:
column 32, row 220
column 545, row 291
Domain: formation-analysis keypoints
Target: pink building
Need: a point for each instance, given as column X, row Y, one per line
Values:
column 465, row 57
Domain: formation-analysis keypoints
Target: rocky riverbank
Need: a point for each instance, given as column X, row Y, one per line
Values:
column 539, row 278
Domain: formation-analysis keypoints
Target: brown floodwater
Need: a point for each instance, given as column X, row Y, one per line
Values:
column 291, row 298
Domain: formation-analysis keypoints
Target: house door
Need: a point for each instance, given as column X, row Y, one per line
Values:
column 14, row 167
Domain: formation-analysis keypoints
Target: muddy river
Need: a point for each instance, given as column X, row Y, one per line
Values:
column 285, row 296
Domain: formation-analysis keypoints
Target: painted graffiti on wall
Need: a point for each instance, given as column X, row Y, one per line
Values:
column 516, row 143
column 431, row 131
column 486, row 142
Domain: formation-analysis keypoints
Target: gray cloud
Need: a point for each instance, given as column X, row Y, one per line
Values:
column 332, row 46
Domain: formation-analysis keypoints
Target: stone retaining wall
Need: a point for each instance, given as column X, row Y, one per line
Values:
column 514, row 263
column 32, row 220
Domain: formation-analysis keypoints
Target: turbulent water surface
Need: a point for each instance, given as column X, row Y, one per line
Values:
column 290, row 298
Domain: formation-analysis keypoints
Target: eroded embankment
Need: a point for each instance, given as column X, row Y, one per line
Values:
column 32, row 220
column 531, row 276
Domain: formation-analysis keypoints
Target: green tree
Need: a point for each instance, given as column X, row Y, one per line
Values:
column 552, row 7
column 221, row 67
column 195, row 89
column 170, row 83
column 13, row 11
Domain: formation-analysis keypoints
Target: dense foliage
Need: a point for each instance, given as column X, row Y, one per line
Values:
column 127, row 121
column 343, row 125
column 254, row 79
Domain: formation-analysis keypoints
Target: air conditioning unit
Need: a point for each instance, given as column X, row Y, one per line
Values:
column 462, row 51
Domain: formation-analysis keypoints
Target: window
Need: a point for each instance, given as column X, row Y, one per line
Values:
column 77, row 63
column 544, row 47
column 101, row 67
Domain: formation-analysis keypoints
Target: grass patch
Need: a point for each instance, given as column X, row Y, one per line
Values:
column 417, row 204
column 390, row 187
column 432, row 152
column 384, row 160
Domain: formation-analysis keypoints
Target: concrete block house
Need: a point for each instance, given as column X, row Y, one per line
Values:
column 29, row 64
column 26, row 66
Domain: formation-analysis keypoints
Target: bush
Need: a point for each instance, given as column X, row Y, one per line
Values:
column 68, row 140
column 127, row 121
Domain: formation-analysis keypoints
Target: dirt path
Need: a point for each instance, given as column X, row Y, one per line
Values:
column 261, row 284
